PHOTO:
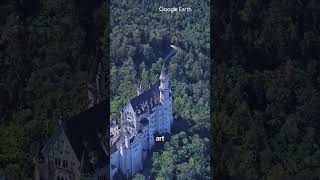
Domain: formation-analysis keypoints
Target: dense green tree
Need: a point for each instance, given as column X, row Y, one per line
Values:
column 266, row 89
column 138, row 177
column 46, row 51
column 146, row 38
column 182, row 158
column 142, row 35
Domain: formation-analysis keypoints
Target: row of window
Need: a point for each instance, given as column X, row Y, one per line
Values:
column 65, row 163
column 57, row 162
column 62, row 178
column 104, row 177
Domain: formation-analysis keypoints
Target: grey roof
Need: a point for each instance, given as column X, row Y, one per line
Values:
column 113, row 148
column 147, row 100
column 144, row 121
column 49, row 144
column 82, row 128
column 85, row 127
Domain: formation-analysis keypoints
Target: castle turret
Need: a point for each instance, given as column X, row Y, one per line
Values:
column 96, row 83
column 164, row 76
column 165, row 97
column 140, row 89
column 164, row 82
column 126, row 138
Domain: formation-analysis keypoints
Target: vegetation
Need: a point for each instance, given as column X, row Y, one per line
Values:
column 265, row 80
column 46, row 50
column 140, row 38
column 184, row 157
column 139, row 177
column 266, row 89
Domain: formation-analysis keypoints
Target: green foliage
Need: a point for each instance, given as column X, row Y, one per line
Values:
column 182, row 158
column 138, row 177
column 266, row 90
column 45, row 55
column 141, row 36
column 138, row 46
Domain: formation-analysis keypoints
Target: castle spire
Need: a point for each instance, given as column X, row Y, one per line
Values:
column 96, row 83
column 82, row 163
column 140, row 89
column 164, row 76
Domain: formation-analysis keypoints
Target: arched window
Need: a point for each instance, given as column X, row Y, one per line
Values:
column 57, row 162
column 65, row 164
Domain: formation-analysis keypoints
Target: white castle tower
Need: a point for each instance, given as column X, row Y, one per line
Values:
column 164, row 83
column 165, row 95
column 144, row 116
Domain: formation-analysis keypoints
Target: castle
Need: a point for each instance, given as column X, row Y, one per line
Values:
column 145, row 115
column 78, row 147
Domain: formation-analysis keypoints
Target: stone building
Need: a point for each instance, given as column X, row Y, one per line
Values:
column 78, row 148
column 145, row 115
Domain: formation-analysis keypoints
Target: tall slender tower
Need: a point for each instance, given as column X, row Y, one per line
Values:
column 164, row 82
column 165, row 96
column 96, row 83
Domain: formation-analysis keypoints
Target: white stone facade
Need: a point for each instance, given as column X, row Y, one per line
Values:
column 142, row 117
column 77, row 149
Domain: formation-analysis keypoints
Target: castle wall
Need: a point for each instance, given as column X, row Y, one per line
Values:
column 114, row 161
column 167, row 115
column 136, row 157
column 101, row 174
column 159, row 118
column 125, row 161
column 59, row 160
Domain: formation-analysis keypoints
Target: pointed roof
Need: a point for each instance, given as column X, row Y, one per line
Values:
column 85, row 127
column 147, row 100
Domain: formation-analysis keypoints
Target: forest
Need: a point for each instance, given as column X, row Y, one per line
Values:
column 265, row 80
column 266, row 89
column 46, row 48
column 140, row 36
